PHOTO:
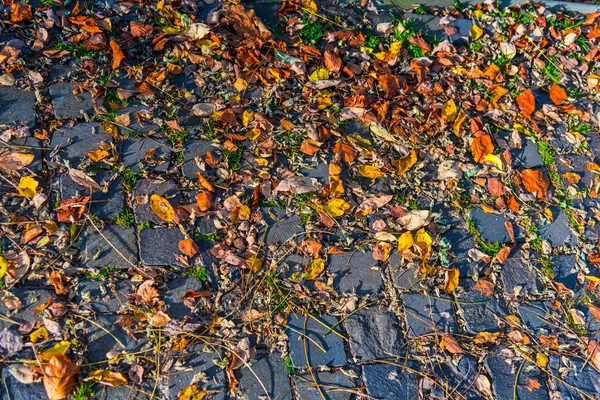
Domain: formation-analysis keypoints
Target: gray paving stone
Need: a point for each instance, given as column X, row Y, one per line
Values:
column 106, row 335
column 565, row 271
column 145, row 127
column 103, row 205
column 30, row 299
column 12, row 389
column 431, row 24
column 330, row 349
column 195, row 149
column 502, row 365
column 518, row 276
column 374, row 334
column 492, row 228
column 558, row 233
column 28, row 145
column 319, row 171
column 578, row 165
column 97, row 252
column 461, row 241
column 480, row 313
column 354, row 273
column 102, row 296
column 17, row 106
column 540, row 317
column 177, row 306
column 403, row 277
column 281, row 228
column 330, row 384
column 427, row 314
column 528, row 155
column 292, row 263
column 135, row 151
column 187, row 365
column 158, row 246
column 392, row 382
column 456, row 377
column 144, row 189
column 103, row 392
column 75, row 142
column 68, row 105
column 270, row 370
column 577, row 376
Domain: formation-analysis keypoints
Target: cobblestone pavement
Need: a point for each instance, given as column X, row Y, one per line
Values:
column 196, row 204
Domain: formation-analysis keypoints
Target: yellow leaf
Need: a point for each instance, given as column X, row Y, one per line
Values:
column 108, row 378
column 253, row 134
column 254, row 263
column 3, row 266
column 395, row 47
column 486, row 337
column 460, row 118
column 449, row 111
column 492, row 158
column 59, row 348
column 451, row 280
column 244, row 212
column 319, row 74
column 39, row 335
column 405, row 241
column 98, row 155
column 497, row 93
column 192, row 393
column 337, row 207
column 247, row 117
column 336, row 185
column 423, row 240
column 370, row 171
column 27, row 187
column 162, row 208
column 475, row 32
column 541, row 360
column 314, row 269
column 406, row 163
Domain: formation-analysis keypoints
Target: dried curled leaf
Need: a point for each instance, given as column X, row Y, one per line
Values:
column 162, row 208
column 535, row 182
column 370, row 171
column 108, row 378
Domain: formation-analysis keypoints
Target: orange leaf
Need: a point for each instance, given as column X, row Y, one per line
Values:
column 558, row 94
column 59, row 281
column 484, row 287
column 59, row 377
column 451, row 280
column 535, row 182
column 204, row 200
column 117, row 54
column 188, row 247
column 481, row 147
column 526, row 102
column 20, row 12
column 450, row 344
column 532, row 384
column 310, row 147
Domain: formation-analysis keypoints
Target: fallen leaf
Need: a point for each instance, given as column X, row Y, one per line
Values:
column 370, row 171
column 484, row 287
column 10, row 343
column 162, row 208
column 24, row 374
column 449, row 110
column 532, row 384
column 407, row 162
column 451, row 280
column 314, row 269
column 333, row 62
column 14, row 161
column 475, row 32
column 486, row 337
column 450, row 344
column 188, row 247
column 108, row 378
column 535, row 182
column 117, row 54
column 160, row 319
column 558, row 94
column 415, row 219
column 72, row 210
column 20, row 12
column 83, row 179
column 405, row 242
column 481, row 147
column 59, row 281
column 59, row 377
column 337, row 207
column 483, row 385
column 98, row 155
column 204, row 200
column 526, row 102
column 27, row 187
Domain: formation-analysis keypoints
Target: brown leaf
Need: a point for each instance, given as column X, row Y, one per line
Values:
column 450, row 344
column 558, row 94
column 59, row 281
column 59, row 377
column 72, row 209
column 188, row 247
column 595, row 311
column 14, row 161
column 526, row 102
column 83, row 179
column 484, row 287
column 451, row 280
column 20, row 12
column 117, row 54
column 532, row 384
column 333, row 62
column 310, row 147
column 535, row 182
column 140, row 30
column 147, row 291
column 108, row 378
column 481, row 147
column 495, row 187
